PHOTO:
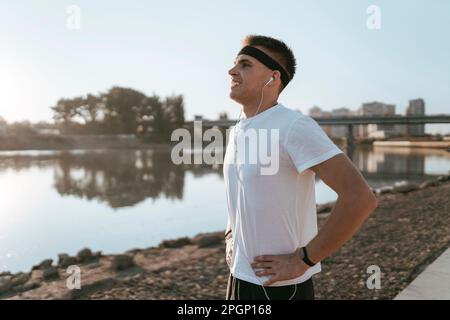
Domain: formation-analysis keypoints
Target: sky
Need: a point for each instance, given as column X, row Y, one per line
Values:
column 187, row 47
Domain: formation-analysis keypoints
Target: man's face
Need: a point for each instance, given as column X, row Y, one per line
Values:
column 248, row 77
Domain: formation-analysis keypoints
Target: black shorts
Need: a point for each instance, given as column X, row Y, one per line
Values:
column 242, row 290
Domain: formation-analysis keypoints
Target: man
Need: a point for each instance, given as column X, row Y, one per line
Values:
column 273, row 247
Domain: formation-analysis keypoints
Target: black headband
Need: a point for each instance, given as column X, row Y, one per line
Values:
column 267, row 61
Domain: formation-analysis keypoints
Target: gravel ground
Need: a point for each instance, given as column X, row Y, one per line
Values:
column 404, row 235
column 407, row 232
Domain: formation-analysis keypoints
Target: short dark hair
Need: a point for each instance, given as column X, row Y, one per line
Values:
column 280, row 51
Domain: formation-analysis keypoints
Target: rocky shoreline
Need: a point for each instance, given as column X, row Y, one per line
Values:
column 408, row 230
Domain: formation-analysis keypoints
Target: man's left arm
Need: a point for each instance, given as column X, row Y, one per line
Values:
column 354, row 204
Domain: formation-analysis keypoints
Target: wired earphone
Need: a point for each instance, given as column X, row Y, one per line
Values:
column 260, row 102
column 237, row 176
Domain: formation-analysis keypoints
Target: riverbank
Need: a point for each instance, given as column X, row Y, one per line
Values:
column 75, row 142
column 130, row 141
column 408, row 230
column 413, row 144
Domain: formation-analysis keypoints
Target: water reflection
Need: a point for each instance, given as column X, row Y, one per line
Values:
column 384, row 166
column 124, row 178
column 119, row 178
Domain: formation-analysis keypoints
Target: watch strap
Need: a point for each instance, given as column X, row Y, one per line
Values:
column 306, row 259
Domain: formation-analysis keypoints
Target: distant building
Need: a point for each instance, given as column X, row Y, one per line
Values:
column 340, row 131
column 223, row 116
column 378, row 130
column 316, row 112
column 334, row 131
column 376, row 109
column 416, row 107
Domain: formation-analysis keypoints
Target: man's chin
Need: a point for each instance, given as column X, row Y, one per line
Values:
column 234, row 96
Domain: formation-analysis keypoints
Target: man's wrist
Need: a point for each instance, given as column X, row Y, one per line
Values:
column 305, row 257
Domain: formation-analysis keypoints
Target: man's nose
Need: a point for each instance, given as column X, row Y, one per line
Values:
column 232, row 71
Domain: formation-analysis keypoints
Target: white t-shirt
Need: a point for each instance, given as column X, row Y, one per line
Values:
column 273, row 213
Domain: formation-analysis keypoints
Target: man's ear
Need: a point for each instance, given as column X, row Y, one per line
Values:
column 277, row 75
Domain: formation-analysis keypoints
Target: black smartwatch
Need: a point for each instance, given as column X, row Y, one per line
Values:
column 305, row 257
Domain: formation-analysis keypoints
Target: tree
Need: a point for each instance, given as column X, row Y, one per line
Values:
column 223, row 116
column 121, row 111
column 149, row 118
column 21, row 128
column 90, row 108
column 157, row 119
column 64, row 111
column 121, row 106
column 173, row 115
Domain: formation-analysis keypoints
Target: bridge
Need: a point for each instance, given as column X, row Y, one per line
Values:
column 348, row 121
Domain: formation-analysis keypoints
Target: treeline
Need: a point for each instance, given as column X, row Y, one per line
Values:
column 121, row 111
column 24, row 128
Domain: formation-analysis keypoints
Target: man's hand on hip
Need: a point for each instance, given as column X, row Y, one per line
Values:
column 280, row 267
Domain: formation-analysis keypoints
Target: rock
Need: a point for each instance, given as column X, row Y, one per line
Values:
column 84, row 255
column 47, row 263
column 386, row 189
column 177, row 243
column 326, row 207
column 61, row 257
column 400, row 183
column 98, row 286
column 427, row 184
column 405, row 188
column 50, row 273
column 135, row 251
column 122, row 262
column 93, row 265
column 30, row 285
column 20, row 278
column 67, row 295
column 67, row 261
column 5, row 283
column 166, row 284
column 443, row 178
column 207, row 240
